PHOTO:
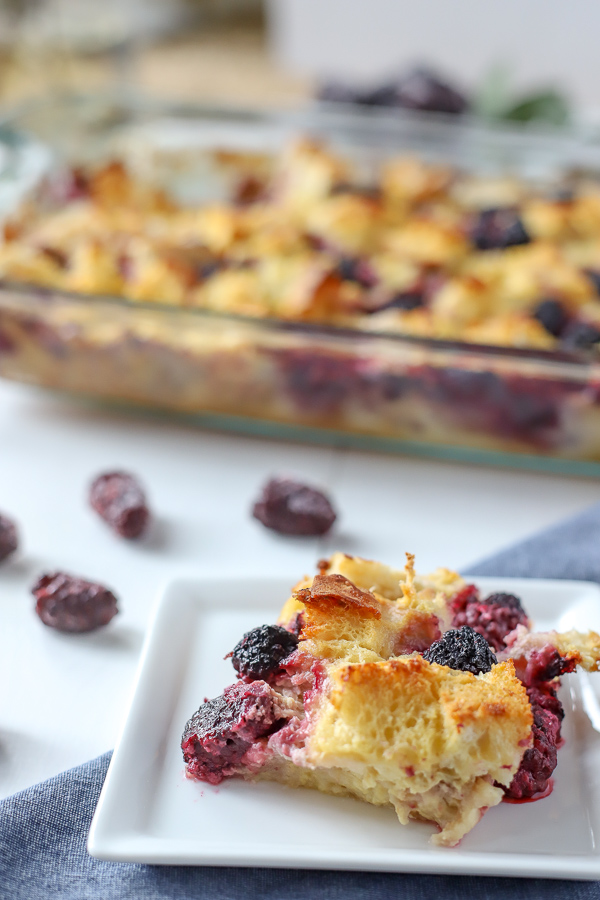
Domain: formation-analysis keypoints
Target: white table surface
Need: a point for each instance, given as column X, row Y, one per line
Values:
column 63, row 697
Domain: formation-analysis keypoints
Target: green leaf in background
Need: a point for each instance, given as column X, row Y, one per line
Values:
column 546, row 106
column 496, row 99
column 494, row 94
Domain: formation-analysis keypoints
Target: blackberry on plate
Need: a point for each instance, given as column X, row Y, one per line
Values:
column 290, row 507
column 259, row 654
column 463, row 649
column 8, row 537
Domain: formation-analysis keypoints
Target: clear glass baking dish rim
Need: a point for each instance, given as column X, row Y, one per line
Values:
column 581, row 365
column 573, row 365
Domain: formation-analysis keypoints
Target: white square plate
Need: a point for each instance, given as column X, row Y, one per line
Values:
column 149, row 812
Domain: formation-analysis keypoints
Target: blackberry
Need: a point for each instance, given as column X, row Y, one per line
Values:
column 545, row 665
column 552, row 315
column 335, row 92
column 68, row 603
column 493, row 618
column 380, row 95
column 463, row 649
column 496, row 229
column 580, row 336
column 422, row 88
column 119, row 499
column 545, row 696
column 8, row 537
column 218, row 735
column 594, row 278
column 260, row 652
column 357, row 270
column 406, row 300
column 289, row 507
column 516, row 234
column 510, row 601
column 539, row 761
column 419, row 88
column 206, row 270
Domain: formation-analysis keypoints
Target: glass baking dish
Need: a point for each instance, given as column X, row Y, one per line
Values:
column 289, row 379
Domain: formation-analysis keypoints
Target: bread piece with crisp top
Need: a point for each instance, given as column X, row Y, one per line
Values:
column 380, row 699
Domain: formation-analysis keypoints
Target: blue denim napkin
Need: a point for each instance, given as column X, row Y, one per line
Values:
column 43, row 830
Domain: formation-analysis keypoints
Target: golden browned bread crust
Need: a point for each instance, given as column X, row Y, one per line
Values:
column 340, row 620
column 284, row 253
column 357, row 604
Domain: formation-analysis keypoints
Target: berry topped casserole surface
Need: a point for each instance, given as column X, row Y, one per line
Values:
column 368, row 293
column 420, row 249
column 415, row 692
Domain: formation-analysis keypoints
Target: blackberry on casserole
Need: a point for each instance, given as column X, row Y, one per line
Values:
column 261, row 651
column 356, row 270
column 539, row 761
column 493, row 617
column 497, row 229
column 579, row 336
column 593, row 276
column 463, row 649
column 539, row 670
column 509, row 601
column 406, row 300
column 220, row 733
column 552, row 315
column 545, row 665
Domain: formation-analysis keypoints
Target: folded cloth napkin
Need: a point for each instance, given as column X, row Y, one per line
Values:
column 43, row 830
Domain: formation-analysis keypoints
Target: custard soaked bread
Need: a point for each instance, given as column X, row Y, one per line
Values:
column 366, row 689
